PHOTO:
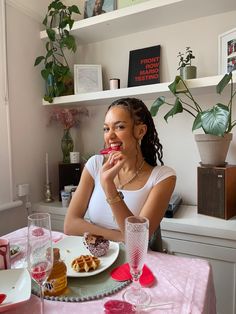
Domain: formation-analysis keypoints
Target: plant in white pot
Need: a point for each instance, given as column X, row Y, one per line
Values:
column 187, row 70
column 215, row 122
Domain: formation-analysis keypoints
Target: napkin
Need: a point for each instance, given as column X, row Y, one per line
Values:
column 122, row 273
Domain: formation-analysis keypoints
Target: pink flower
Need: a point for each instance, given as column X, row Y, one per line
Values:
column 67, row 117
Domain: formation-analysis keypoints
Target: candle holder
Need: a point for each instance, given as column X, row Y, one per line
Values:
column 48, row 193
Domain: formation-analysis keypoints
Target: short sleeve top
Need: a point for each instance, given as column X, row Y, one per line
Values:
column 99, row 210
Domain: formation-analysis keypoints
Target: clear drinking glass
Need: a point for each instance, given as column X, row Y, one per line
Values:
column 136, row 243
column 40, row 252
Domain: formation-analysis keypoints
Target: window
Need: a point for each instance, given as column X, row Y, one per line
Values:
column 5, row 150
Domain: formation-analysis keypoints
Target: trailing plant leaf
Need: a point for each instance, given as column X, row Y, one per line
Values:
column 156, row 105
column 38, row 60
column 224, row 82
column 177, row 108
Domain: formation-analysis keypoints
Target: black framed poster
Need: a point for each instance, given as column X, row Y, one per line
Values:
column 144, row 65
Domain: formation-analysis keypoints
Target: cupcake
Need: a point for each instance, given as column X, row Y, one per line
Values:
column 96, row 244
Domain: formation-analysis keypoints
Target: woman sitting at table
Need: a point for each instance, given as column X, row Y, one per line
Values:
column 127, row 180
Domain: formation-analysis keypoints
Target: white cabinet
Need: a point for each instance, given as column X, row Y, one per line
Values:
column 193, row 235
column 56, row 211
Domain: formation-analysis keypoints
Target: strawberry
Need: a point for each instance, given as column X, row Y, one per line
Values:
column 106, row 151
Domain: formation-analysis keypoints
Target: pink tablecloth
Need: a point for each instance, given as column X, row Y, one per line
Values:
column 187, row 282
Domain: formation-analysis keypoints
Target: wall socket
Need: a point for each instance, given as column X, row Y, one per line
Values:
column 23, row 189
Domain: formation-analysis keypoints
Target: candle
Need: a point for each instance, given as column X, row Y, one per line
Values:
column 114, row 83
column 47, row 174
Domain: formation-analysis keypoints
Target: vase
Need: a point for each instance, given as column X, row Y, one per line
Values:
column 67, row 146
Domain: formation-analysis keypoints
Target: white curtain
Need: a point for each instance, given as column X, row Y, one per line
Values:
column 5, row 147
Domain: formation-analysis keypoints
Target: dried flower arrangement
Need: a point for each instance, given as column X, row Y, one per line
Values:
column 68, row 117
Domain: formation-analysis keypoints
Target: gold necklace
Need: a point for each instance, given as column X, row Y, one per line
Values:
column 120, row 186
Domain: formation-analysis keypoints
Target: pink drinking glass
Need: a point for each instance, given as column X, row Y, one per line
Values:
column 136, row 245
column 40, row 252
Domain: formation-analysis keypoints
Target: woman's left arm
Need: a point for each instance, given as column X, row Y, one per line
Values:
column 157, row 202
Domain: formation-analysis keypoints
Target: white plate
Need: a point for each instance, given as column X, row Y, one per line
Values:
column 16, row 249
column 16, row 284
column 72, row 247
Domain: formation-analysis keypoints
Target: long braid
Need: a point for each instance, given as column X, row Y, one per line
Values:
column 151, row 147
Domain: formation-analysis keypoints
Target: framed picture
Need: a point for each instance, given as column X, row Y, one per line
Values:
column 97, row 7
column 227, row 52
column 87, row 78
column 144, row 66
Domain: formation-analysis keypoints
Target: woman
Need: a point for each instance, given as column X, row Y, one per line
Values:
column 127, row 181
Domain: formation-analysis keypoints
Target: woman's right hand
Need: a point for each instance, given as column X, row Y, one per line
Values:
column 111, row 167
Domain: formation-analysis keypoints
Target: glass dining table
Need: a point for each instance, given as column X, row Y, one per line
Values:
column 182, row 285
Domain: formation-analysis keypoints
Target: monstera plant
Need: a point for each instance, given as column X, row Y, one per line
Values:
column 56, row 71
column 216, row 122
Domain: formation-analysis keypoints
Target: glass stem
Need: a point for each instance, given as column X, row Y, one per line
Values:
column 41, row 298
column 135, row 279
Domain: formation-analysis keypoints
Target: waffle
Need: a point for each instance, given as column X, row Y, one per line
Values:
column 85, row 263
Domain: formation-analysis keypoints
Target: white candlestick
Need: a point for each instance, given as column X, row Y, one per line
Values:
column 47, row 174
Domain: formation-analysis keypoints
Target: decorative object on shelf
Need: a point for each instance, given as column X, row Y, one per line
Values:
column 227, row 52
column 48, row 193
column 87, row 78
column 74, row 157
column 114, row 83
column 98, row 7
column 144, row 65
column 56, row 72
column 216, row 122
column 65, row 198
column 67, row 146
column 68, row 118
column 187, row 70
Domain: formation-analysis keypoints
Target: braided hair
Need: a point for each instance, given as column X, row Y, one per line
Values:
column 150, row 146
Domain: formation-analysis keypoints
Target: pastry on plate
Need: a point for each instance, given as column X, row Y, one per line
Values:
column 96, row 244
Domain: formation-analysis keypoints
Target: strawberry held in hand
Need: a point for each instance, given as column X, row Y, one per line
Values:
column 112, row 148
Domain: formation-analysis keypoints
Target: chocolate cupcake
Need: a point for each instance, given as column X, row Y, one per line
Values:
column 96, row 244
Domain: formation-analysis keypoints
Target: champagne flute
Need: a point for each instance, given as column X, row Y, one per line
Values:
column 136, row 242
column 40, row 252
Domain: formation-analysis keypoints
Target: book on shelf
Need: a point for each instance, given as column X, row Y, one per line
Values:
column 144, row 66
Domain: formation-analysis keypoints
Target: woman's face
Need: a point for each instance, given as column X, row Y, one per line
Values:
column 119, row 129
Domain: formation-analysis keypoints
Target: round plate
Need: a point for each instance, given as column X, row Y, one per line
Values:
column 72, row 247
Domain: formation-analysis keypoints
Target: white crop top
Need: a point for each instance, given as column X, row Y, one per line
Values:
column 99, row 211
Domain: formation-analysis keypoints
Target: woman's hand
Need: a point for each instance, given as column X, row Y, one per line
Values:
column 111, row 167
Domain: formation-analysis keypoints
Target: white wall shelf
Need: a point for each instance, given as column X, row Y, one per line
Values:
column 155, row 13
column 199, row 86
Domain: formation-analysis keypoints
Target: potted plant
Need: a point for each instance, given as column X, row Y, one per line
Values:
column 216, row 123
column 56, row 72
column 187, row 70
